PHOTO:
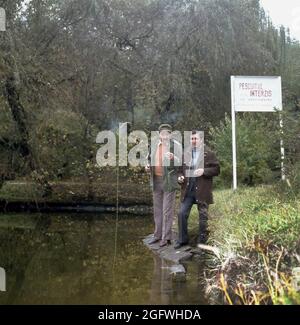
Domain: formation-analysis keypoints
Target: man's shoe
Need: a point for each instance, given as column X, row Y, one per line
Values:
column 164, row 243
column 202, row 239
column 153, row 241
column 179, row 245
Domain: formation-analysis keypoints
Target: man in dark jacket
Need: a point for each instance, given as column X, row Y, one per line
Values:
column 196, row 181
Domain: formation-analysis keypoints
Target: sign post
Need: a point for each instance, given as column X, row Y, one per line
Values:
column 254, row 94
column 2, row 20
column 234, row 161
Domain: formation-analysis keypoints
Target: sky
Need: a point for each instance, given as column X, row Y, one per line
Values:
column 284, row 12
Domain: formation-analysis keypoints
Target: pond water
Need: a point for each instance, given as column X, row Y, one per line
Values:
column 87, row 259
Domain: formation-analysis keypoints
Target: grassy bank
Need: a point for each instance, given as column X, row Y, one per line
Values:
column 257, row 231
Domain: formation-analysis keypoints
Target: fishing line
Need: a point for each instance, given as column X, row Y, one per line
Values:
column 116, row 226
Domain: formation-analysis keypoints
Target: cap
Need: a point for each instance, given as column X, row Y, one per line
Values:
column 165, row 127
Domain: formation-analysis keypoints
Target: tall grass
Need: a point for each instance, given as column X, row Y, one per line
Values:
column 257, row 231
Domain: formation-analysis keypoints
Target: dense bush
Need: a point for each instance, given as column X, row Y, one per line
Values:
column 61, row 144
column 291, row 137
column 258, row 148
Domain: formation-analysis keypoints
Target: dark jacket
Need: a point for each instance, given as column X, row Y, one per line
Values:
column 204, row 184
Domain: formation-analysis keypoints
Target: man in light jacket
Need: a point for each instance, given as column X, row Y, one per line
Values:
column 164, row 183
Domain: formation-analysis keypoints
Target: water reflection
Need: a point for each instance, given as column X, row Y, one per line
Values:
column 166, row 291
column 72, row 259
column 161, row 288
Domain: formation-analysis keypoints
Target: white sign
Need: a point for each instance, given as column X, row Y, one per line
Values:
column 2, row 20
column 256, row 94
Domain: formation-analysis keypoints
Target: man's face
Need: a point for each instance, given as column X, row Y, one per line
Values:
column 164, row 135
column 195, row 140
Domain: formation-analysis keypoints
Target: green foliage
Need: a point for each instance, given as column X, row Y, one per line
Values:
column 147, row 62
column 61, row 145
column 258, row 148
column 291, row 139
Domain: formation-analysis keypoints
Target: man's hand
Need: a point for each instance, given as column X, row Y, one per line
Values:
column 181, row 179
column 199, row 172
column 148, row 169
column 169, row 155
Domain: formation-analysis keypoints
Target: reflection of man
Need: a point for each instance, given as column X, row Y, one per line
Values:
column 197, row 189
column 164, row 184
column 162, row 287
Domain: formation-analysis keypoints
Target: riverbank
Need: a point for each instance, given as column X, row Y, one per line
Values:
column 76, row 195
column 257, row 232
